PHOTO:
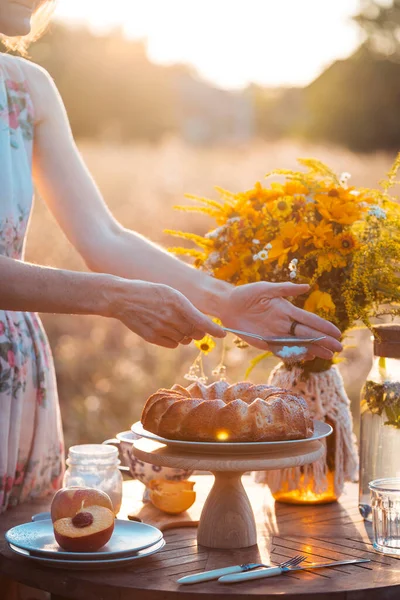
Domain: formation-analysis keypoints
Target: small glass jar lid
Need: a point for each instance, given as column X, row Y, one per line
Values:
column 93, row 454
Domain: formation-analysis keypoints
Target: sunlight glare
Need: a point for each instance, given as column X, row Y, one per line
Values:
column 232, row 42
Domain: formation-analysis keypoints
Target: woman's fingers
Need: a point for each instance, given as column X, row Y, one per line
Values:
column 329, row 342
column 177, row 336
column 184, row 337
column 279, row 290
column 162, row 315
column 167, row 342
column 160, row 338
column 196, row 324
column 315, row 322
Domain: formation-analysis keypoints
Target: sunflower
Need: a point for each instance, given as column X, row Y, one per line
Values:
column 206, row 344
column 345, row 242
column 282, row 207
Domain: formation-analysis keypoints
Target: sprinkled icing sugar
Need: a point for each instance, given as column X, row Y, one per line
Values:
column 291, row 351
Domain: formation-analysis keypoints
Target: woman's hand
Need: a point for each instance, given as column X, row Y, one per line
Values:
column 159, row 314
column 262, row 308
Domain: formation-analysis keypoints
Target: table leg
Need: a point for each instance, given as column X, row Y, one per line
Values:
column 227, row 519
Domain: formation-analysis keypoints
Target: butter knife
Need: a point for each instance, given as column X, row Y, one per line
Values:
column 216, row 573
column 271, row 571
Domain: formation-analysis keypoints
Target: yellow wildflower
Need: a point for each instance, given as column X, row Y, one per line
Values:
column 345, row 242
column 228, row 270
column 293, row 187
column 319, row 235
column 331, row 260
column 320, row 302
column 288, row 240
column 205, row 345
column 260, row 195
column 332, row 207
column 282, row 207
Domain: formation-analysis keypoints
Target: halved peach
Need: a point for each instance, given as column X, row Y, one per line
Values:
column 87, row 531
column 68, row 501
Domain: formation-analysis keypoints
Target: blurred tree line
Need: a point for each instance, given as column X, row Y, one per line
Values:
column 112, row 90
column 355, row 102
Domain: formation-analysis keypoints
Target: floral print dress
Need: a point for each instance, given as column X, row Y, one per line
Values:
column 31, row 447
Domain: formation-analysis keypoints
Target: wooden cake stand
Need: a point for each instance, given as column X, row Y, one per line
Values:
column 227, row 519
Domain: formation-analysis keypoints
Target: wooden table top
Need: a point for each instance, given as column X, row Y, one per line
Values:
column 324, row 533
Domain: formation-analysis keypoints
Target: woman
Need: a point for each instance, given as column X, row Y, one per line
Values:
column 131, row 276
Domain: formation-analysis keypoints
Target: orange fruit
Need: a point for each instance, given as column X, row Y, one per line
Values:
column 170, row 487
column 172, row 497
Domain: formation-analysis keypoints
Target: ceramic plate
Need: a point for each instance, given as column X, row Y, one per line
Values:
column 107, row 563
column 321, row 430
column 128, row 537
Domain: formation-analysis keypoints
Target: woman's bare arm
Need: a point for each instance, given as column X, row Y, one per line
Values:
column 27, row 287
column 158, row 313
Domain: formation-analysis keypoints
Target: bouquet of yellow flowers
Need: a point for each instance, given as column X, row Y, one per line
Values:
column 313, row 228
column 310, row 227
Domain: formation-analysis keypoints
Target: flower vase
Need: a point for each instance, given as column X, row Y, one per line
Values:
column 321, row 385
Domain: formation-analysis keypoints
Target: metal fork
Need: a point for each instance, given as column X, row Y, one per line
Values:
column 287, row 341
column 292, row 562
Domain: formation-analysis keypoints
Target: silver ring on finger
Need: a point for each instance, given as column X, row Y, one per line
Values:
column 185, row 337
column 292, row 330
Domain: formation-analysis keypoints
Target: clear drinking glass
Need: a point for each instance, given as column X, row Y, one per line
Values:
column 95, row 466
column 385, row 502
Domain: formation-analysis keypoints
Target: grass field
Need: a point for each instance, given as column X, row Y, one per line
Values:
column 105, row 372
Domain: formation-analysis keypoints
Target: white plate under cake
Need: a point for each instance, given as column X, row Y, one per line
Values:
column 237, row 449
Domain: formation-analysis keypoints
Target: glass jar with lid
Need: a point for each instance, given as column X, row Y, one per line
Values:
column 380, row 415
column 95, row 466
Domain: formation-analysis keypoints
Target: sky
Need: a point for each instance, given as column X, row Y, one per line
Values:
column 232, row 43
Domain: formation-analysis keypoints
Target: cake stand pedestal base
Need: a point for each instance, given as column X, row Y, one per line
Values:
column 227, row 519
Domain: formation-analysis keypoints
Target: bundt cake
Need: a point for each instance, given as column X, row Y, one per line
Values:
column 242, row 412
